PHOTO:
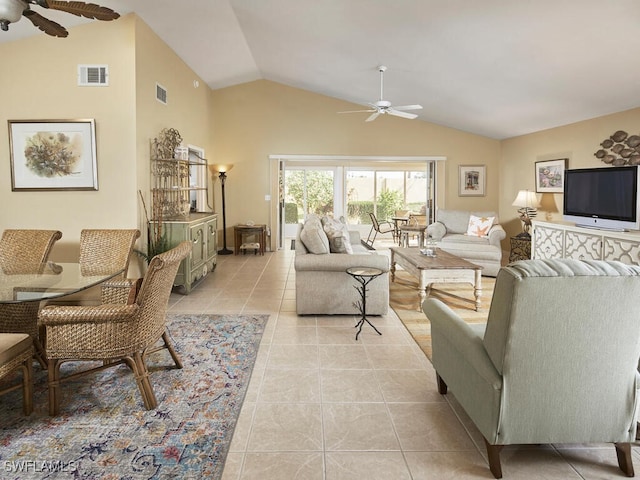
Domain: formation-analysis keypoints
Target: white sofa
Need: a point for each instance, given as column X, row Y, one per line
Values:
column 322, row 285
column 449, row 230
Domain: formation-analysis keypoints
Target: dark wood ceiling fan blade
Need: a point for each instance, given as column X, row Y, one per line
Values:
column 47, row 26
column 82, row 9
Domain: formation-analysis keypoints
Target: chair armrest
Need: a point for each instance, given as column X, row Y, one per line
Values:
column 496, row 234
column 462, row 362
column 465, row 341
column 54, row 315
column 436, row 230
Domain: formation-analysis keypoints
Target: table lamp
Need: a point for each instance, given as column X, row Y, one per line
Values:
column 221, row 171
column 528, row 202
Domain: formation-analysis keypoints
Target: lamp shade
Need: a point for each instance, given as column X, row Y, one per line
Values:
column 11, row 10
column 220, row 168
column 526, row 199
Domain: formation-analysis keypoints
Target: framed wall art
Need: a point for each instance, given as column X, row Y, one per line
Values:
column 53, row 155
column 471, row 180
column 550, row 176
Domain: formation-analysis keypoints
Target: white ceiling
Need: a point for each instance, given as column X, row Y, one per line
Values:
column 498, row 68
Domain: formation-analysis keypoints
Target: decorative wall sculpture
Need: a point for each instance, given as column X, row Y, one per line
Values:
column 620, row 149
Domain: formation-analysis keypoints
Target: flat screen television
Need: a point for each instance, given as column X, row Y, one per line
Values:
column 605, row 198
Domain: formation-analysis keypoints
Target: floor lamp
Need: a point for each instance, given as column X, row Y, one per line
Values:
column 222, row 170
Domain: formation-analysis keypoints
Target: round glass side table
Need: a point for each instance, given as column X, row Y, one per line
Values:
column 363, row 275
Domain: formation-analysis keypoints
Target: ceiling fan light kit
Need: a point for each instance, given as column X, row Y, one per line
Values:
column 12, row 10
column 382, row 106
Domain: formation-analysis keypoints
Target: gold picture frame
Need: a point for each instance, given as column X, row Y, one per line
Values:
column 53, row 155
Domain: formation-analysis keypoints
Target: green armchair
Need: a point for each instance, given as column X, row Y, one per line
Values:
column 556, row 361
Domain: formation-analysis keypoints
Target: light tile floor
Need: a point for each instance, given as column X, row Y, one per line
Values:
column 321, row 405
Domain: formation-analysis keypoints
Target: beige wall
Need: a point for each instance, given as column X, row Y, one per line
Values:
column 243, row 125
column 578, row 142
column 42, row 84
column 254, row 120
column 187, row 108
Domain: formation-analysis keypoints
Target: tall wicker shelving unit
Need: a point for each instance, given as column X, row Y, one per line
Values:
column 172, row 215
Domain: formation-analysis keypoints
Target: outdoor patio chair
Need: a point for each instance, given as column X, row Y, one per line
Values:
column 114, row 333
column 379, row 227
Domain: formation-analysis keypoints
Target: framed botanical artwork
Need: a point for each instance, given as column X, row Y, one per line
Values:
column 472, row 180
column 53, row 155
column 550, row 176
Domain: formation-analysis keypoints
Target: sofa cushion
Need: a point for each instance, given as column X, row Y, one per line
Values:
column 479, row 226
column 464, row 239
column 457, row 221
column 471, row 252
column 338, row 235
column 12, row 345
column 358, row 248
column 313, row 236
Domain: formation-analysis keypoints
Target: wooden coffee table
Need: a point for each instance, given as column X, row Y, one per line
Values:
column 443, row 268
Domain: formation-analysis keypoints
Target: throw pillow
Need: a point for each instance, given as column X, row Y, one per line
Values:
column 314, row 238
column 479, row 226
column 338, row 235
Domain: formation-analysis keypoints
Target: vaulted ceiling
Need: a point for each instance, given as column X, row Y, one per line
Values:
column 498, row 68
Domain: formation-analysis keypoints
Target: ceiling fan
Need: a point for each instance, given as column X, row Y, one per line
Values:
column 384, row 106
column 12, row 10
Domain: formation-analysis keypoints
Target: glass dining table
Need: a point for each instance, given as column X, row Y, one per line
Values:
column 51, row 280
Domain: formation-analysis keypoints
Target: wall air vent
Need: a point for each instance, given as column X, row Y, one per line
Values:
column 93, row 75
column 161, row 93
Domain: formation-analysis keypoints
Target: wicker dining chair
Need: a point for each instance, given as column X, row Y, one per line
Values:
column 16, row 351
column 23, row 252
column 114, row 333
column 103, row 251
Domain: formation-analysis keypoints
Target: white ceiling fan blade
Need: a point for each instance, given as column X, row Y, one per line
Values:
column 409, row 107
column 397, row 113
column 372, row 117
column 359, row 111
column 382, row 106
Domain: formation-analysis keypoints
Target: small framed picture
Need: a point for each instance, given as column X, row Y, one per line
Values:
column 472, row 180
column 550, row 176
column 53, row 155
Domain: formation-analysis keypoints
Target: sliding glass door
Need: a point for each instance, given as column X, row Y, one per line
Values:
column 307, row 191
column 384, row 191
column 353, row 190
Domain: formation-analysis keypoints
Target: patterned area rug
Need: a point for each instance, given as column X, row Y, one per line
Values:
column 103, row 431
column 403, row 298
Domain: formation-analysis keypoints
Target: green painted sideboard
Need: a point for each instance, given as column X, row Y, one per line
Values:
column 201, row 229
